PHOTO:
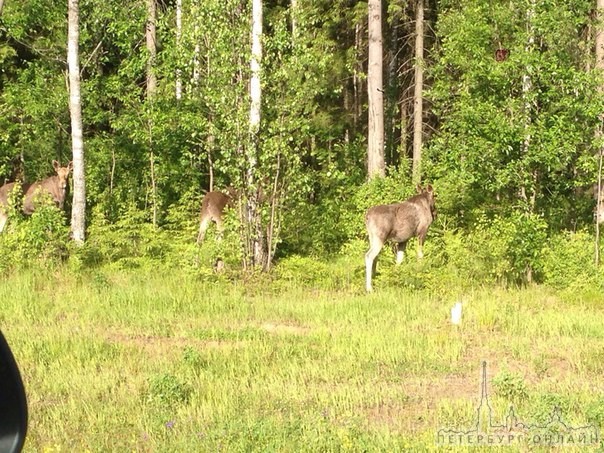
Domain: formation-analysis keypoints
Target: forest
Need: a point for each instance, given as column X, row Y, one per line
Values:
column 132, row 336
column 497, row 104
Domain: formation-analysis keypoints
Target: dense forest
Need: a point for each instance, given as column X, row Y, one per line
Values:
column 499, row 101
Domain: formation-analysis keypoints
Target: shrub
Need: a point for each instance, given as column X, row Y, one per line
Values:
column 167, row 390
column 510, row 386
column 568, row 261
column 43, row 237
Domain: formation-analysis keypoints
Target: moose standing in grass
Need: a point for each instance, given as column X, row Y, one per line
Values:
column 398, row 222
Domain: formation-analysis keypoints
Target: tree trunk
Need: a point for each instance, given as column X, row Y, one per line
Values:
column 150, row 36
column 418, row 99
column 599, row 215
column 393, row 115
column 376, row 166
column 527, row 95
column 151, row 39
column 178, row 86
column 527, row 88
column 78, row 212
column 357, row 81
column 293, row 12
column 256, row 240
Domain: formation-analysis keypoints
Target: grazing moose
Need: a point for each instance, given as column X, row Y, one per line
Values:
column 398, row 222
column 55, row 186
column 212, row 210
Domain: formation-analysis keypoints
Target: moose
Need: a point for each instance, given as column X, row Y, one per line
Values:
column 212, row 210
column 398, row 222
column 55, row 186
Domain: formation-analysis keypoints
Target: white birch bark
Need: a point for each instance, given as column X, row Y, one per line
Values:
column 150, row 36
column 253, row 215
column 599, row 214
column 78, row 212
column 178, row 87
column 418, row 97
column 376, row 166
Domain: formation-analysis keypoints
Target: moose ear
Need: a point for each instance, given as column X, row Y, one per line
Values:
column 70, row 165
column 418, row 188
column 429, row 188
column 56, row 165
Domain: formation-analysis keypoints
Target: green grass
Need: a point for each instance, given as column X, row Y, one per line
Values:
column 141, row 361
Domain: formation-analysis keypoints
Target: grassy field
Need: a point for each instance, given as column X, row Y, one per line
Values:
column 141, row 361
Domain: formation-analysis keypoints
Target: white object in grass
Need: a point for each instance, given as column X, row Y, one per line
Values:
column 456, row 314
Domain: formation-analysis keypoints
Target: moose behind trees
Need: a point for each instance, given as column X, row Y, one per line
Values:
column 398, row 222
column 212, row 210
column 55, row 186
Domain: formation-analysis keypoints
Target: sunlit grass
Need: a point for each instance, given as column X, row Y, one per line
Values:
column 125, row 361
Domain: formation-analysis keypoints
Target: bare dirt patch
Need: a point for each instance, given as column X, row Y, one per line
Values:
column 287, row 329
column 419, row 411
column 161, row 346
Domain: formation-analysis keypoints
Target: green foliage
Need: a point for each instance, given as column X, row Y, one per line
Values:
column 41, row 239
column 510, row 386
column 394, row 188
column 503, row 137
column 568, row 262
column 166, row 390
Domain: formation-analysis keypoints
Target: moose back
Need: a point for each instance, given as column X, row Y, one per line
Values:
column 212, row 210
column 398, row 222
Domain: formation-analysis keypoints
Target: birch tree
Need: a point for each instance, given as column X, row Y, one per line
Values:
column 178, row 84
column 256, row 237
column 78, row 213
column 599, row 132
column 418, row 98
column 375, row 143
column 151, row 41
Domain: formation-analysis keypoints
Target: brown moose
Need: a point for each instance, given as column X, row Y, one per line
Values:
column 55, row 186
column 212, row 210
column 398, row 222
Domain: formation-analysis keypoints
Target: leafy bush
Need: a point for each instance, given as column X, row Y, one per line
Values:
column 43, row 237
column 315, row 273
column 394, row 188
column 568, row 261
column 167, row 390
column 133, row 242
column 510, row 386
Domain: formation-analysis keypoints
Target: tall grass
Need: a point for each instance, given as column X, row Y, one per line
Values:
column 160, row 361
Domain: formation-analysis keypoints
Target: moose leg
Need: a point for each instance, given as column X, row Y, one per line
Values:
column 375, row 245
column 420, row 245
column 203, row 226
column 400, row 252
column 219, row 228
column 3, row 219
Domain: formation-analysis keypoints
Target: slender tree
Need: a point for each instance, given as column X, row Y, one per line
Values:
column 375, row 144
column 599, row 132
column 178, row 87
column 254, row 224
column 527, row 95
column 151, row 40
column 418, row 96
column 293, row 12
column 78, row 213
